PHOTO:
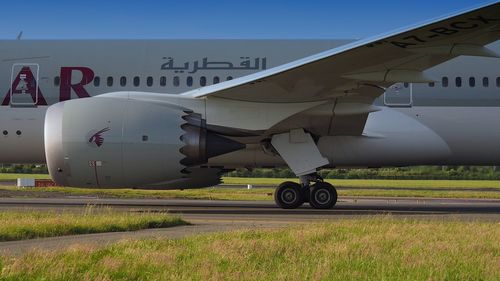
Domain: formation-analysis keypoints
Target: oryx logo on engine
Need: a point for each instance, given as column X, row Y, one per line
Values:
column 97, row 138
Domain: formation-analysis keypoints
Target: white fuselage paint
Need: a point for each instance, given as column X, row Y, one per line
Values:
column 445, row 125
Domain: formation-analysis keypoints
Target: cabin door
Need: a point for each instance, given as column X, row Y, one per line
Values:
column 399, row 95
column 24, row 84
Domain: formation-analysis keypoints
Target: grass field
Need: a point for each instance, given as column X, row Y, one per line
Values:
column 385, row 188
column 396, row 188
column 18, row 225
column 11, row 177
column 377, row 248
column 217, row 193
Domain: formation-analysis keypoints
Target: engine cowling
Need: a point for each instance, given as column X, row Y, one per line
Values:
column 116, row 142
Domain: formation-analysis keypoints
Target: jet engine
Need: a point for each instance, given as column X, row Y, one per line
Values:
column 117, row 142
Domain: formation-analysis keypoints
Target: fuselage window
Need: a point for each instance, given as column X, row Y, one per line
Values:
column 57, row 81
column 444, row 81
column 486, row 82
column 110, row 81
column 176, row 81
column 123, row 81
column 431, row 84
column 472, row 81
column 137, row 81
column 498, row 82
column 458, row 82
column 189, row 81
column 149, row 81
column 203, row 81
column 216, row 79
column 97, row 81
column 229, row 78
column 163, row 81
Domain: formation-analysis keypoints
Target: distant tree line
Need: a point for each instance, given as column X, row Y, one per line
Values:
column 416, row 172
column 24, row 168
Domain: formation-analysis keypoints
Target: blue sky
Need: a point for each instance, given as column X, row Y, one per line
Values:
column 157, row 19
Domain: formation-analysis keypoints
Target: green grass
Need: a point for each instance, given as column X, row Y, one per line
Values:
column 429, row 188
column 243, row 193
column 377, row 248
column 11, row 177
column 203, row 193
column 377, row 188
column 18, row 225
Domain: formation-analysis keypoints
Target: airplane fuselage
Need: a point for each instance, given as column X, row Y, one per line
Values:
column 462, row 107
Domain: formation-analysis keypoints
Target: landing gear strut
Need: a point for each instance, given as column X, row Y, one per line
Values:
column 319, row 194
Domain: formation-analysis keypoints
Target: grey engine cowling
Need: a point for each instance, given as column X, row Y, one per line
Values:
column 114, row 142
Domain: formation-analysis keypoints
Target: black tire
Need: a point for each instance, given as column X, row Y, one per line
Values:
column 288, row 195
column 323, row 196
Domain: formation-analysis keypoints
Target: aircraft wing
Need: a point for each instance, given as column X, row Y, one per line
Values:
column 359, row 71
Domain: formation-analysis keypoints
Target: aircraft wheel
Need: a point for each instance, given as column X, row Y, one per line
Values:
column 323, row 196
column 289, row 195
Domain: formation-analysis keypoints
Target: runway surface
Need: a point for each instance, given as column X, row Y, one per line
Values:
column 264, row 209
column 211, row 216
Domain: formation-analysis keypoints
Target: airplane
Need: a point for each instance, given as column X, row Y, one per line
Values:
column 176, row 114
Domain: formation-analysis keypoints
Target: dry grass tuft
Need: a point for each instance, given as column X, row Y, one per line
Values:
column 18, row 225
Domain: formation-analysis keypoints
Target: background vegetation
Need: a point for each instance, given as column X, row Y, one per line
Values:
column 416, row 172
column 236, row 189
column 24, row 168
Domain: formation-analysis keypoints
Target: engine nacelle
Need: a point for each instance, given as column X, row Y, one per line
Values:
column 116, row 142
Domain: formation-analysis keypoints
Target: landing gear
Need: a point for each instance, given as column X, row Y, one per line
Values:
column 323, row 196
column 289, row 195
column 319, row 194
